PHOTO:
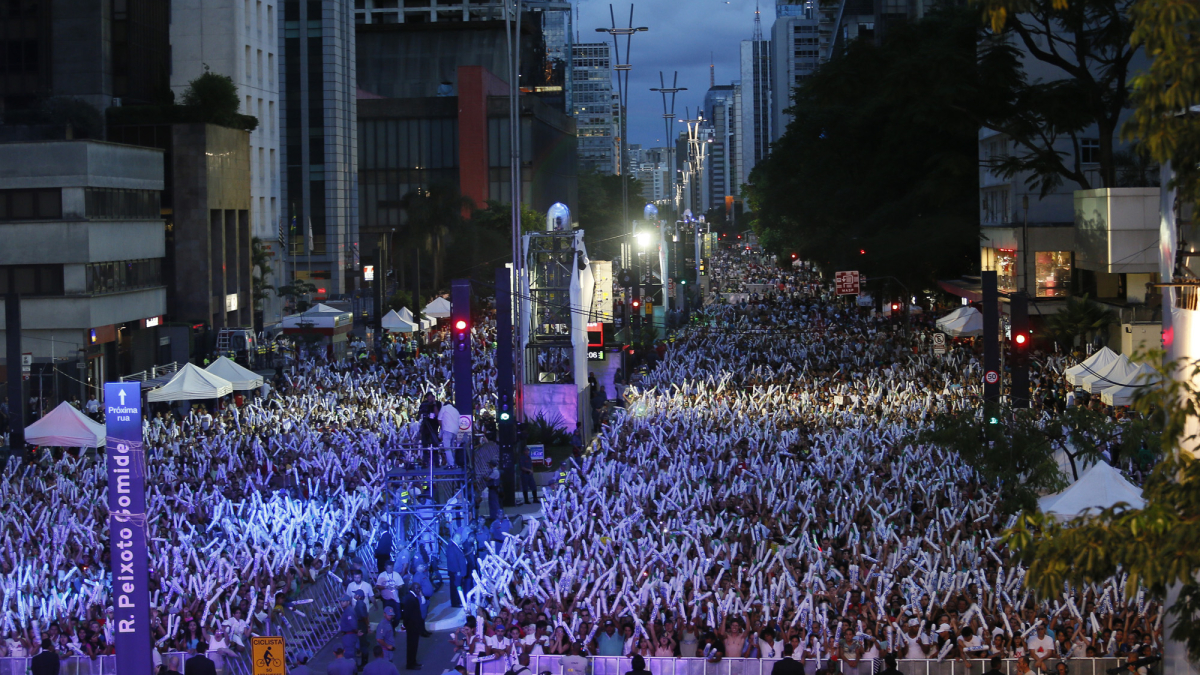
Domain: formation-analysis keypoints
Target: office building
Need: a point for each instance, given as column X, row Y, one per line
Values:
column 546, row 58
column 723, row 168
column 105, row 53
column 755, row 127
column 795, row 50
column 239, row 40
column 594, row 106
column 84, row 245
column 318, row 141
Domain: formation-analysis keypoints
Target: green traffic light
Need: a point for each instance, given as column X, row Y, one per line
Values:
column 994, row 420
column 503, row 416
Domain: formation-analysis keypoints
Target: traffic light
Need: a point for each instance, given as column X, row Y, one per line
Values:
column 636, row 304
column 895, row 307
column 460, row 339
column 462, row 335
column 1019, row 347
column 862, row 251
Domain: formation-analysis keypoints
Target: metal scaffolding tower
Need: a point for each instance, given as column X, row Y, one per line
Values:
column 428, row 501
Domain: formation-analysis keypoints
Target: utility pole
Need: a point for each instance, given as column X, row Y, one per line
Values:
column 669, row 122
column 622, row 66
column 16, row 381
column 512, row 33
column 991, row 344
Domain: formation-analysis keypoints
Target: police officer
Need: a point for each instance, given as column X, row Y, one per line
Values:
column 348, row 627
column 362, row 613
column 385, row 634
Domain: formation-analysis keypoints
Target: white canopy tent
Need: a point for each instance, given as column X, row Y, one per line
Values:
column 1120, row 373
column 438, row 309
column 394, row 323
column 189, row 384
column 962, row 322
column 242, row 379
column 319, row 317
column 1094, row 363
column 65, row 427
column 1124, row 394
column 1100, row 487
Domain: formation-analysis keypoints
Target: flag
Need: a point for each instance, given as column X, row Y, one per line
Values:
column 309, row 241
column 282, row 232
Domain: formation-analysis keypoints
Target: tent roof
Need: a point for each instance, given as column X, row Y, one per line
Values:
column 240, row 377
column 397, row 324
column 1120, row 373
column 65, row 427
column 406, row 314
column 322, row 308
column 191, row 383
column 962, row 322
column 1096, row 362
column 1100, row 487
column 439, row 308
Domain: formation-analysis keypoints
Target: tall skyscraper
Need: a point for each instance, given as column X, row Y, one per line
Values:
column 755, row 126
column 105, row 53
column 795, row 47
column 722, row 114
column 593, row 107
column 243, row 45
column 319, row 140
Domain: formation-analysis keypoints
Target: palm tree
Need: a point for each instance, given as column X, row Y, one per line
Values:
column 1078, row 321
column 260, row 260
column 431, row 217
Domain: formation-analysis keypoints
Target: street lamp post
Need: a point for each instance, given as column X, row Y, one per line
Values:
column 669, row 120
column 622, row 66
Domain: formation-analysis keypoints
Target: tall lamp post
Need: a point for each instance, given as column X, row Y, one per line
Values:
column 623, row 67
column 669, row 121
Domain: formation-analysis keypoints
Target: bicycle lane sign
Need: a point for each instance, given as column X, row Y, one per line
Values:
column 266, row 656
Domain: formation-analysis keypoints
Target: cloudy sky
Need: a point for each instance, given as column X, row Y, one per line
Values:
column 682, row 35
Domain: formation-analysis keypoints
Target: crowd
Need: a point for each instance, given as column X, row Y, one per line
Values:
column 250, row 500
column 760, row 495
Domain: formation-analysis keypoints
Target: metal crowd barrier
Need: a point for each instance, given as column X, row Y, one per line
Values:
column 107, row 665
column 620, row 665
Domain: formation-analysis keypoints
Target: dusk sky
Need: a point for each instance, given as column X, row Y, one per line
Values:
column 682, row 35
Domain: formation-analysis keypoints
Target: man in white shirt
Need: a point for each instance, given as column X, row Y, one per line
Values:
column 359, row 585
column 448, row 419
column 916, row 643
column 93, row 406
column 388, row 582
column 1041, row 647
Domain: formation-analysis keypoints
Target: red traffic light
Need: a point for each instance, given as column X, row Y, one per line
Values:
column 793, row 256
column 895, row 306
column 637, row 304
column 1020, row 338
column 460, row 325
column 862, row 251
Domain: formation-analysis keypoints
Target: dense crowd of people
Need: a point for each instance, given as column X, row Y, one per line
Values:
column 760, row 495
column 755, row 493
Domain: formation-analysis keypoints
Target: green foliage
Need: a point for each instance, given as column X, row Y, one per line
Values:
column 434, row 220
column 601, row 215
column 85, row 120
column 260, row 259
column 1014, row 452
column 399, row 300
column 299, row 292
column 1156, row 545
column 1165, row 120
column 497, row 217
column 882, row 155
column 214, row 99
column 1079, row 321
column 545, row 431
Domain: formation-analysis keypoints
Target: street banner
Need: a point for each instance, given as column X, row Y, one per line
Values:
column 127, row 526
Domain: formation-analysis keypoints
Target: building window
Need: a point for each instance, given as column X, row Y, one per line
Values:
column 995, row 207
column 124, row 275
column 1053, row 273
column 1006, row 270
column 31, row 204
column 1089, row 150
column 31, row 280
column 113, row 204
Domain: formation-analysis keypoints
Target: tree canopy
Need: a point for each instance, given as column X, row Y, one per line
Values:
column 880, row 159
column 600, row 213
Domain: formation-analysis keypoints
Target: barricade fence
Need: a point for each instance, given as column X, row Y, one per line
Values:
column 620, row 665
column 107, row 665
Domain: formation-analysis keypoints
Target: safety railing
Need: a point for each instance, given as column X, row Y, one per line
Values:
column 107, row 665
column 619, row 665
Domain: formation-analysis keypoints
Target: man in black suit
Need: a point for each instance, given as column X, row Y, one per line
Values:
column 414, row 624
column 46, row 662
column 200, row 664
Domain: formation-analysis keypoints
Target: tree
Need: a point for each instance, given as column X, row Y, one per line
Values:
column 260, row 259
column 433, row 216
column 1085, row 45
column 601, row 214
column 214, row 99
column 1080, row 320
column 1155, row 545
column 399, row 300
column 497, row 217
column 299, row 292
column 881, row 158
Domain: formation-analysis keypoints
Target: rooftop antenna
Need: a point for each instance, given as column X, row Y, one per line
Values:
column 757, row 24
column 712, row 71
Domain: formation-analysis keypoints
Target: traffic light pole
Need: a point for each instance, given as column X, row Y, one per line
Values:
column 1019, row 311
column 991, row 338
column 506, row 421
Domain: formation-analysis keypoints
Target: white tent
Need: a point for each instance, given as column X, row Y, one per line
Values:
column 1094, row 363
column 406, row 314
column 65, row 427
column 394, row 323
column 189, row 384
column 1125, row 393
column 962, row 322
column 242, row 379
column 438, row 309
column 1100, row 487
column 1119, row 373
column 319, row 317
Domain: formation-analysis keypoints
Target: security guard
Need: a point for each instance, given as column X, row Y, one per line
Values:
column 348, row 627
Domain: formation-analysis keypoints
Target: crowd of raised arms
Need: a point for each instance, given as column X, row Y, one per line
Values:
column 751, row 496
column 759, row 496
